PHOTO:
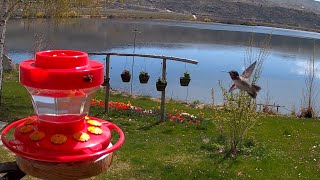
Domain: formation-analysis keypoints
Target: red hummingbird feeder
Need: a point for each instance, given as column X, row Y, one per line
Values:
column 62, row 141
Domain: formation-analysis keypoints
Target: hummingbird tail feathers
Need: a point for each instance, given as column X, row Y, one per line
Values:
column 254, row 91
column 252, row 94
column 255, row 88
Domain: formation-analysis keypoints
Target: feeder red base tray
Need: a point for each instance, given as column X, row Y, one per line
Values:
column 59, row 147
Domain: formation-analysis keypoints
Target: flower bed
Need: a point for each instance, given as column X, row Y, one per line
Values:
column 184, row 118
column 177, row 117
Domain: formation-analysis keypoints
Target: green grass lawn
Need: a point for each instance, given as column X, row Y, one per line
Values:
column 276, row 148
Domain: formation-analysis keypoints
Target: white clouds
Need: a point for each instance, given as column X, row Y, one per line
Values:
column 301, row 67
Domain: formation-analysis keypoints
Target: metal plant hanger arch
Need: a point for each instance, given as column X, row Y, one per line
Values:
column 164, row 69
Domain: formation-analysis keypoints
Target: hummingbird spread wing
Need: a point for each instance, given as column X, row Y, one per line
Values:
column 247, row 73
column 233, row 87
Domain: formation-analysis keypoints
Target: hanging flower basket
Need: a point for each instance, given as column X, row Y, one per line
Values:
column 185, row 79
column 143, row 77
column 161, row 85
column 126, row 76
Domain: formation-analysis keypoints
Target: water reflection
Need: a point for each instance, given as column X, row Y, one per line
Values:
column 217, row 47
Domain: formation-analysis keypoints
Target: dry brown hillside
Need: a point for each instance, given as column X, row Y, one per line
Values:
column 297, row 13
column 303, row 5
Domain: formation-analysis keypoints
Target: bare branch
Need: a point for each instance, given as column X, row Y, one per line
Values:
column 7, row 13
column 260, row 57
column 310, row 93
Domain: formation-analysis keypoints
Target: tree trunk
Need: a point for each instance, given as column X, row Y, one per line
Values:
column 234, row 149
column 3, row 27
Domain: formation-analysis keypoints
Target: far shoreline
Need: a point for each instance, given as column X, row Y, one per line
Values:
column 171, row 16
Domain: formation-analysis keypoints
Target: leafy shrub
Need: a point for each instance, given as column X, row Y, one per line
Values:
column 40, row 15
column 143, row 74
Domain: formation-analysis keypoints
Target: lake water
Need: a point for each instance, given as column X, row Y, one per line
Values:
column 217, row 47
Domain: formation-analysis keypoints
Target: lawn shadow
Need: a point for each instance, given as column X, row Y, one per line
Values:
column 13, row 111
column 146, row 128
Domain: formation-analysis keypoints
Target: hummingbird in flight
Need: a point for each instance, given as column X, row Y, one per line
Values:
column 242, row 81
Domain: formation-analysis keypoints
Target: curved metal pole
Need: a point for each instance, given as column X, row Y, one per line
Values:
column 190, row 61
column 164, row 69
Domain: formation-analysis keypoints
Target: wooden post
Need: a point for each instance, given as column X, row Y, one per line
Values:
column 163, row 93
column 107, row 97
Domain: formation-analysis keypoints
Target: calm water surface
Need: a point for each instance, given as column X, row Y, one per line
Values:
column 216, row 47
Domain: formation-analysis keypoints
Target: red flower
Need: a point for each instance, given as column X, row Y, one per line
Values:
column 111, row 104
column 101, row 103
column 180, row 118
column 93, row 102
column 198, row 121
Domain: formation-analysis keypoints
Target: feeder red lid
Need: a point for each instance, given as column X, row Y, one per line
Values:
column 61, row 70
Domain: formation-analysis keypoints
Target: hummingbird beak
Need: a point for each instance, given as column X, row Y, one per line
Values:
column 224, row 71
